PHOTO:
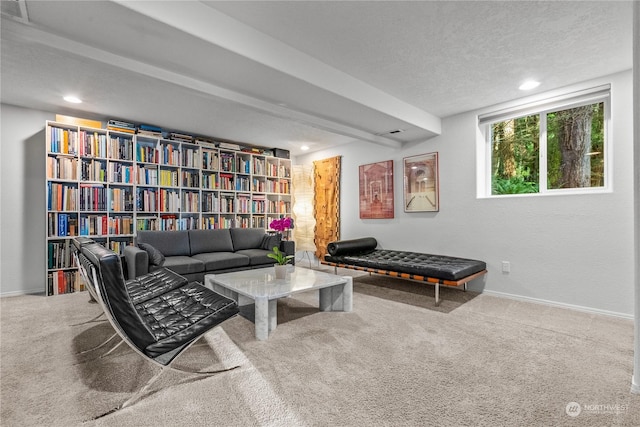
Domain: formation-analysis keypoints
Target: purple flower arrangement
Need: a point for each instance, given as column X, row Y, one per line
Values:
column 281, row 224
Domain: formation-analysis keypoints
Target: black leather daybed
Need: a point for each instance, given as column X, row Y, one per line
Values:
column 361, row 254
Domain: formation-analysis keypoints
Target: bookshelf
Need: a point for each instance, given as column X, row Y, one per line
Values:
column 108, row 184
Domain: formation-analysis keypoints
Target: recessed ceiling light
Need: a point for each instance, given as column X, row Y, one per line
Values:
column 73, row 99
column 304, row 147
column 529, row 84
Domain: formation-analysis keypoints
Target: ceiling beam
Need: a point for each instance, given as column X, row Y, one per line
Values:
column 34, row 35
column 212, row 26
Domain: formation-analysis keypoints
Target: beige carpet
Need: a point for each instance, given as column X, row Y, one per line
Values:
column 396, row 360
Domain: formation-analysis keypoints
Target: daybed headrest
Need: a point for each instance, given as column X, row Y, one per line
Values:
column 342, row 247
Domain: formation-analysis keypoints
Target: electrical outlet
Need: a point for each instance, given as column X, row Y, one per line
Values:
column 506, row 267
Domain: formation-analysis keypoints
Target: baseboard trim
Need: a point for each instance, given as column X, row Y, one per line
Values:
column 559, row 304
column 21, row 292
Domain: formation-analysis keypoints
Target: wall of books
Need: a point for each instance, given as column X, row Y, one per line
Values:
column 108, row 183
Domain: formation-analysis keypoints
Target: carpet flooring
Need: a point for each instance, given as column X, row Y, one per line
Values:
column 396, row 360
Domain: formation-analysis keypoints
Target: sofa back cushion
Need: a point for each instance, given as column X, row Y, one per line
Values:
column 270, row 240
column 205, row 241
column 246, row 238
column 170, row 243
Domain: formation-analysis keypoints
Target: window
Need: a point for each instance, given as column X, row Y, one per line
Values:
column 556, row 146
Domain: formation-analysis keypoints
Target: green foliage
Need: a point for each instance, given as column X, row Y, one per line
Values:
column 555, row 136
column 515, row 158
column 279, row 256
column 515, row 148
column 515, row 185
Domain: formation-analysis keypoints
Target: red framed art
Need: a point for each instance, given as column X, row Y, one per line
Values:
column 376, row 190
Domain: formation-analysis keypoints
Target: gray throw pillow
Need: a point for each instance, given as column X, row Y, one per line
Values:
column 269, row 241
column 155, row 256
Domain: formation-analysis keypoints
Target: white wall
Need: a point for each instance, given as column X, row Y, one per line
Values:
column 22, row 200
column 568, row 250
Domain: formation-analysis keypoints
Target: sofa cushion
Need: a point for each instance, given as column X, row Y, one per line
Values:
column 202, row 241
column 222, row 260
column 155, row 256
column 246, row 238
column 183, row 264
column 270, row 240
column 170, row 243
column 257, row 256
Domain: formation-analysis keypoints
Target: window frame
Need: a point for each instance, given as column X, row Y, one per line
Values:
column 542, row 108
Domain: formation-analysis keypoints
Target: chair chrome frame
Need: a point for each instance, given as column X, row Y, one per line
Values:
column 94, row 295
column 164, row 360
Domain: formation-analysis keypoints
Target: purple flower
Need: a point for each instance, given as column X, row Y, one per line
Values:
column 281, row 224
column 286, row 222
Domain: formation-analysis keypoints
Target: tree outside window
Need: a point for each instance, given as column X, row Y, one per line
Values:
column 572, row 141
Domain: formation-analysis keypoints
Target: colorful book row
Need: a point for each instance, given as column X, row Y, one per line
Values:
column 64, row 282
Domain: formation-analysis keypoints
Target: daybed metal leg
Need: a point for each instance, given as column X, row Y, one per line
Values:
column 465, row 287
column 335, row 270
column 437, row 294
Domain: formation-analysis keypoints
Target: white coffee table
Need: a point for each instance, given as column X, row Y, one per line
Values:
column 259, row 287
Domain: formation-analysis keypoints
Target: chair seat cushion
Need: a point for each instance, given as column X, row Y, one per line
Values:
column 222, row 260
column 181, row 315
column 151, row 285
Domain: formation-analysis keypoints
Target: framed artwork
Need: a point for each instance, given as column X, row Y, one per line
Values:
column 421, row 183
column 376, row 190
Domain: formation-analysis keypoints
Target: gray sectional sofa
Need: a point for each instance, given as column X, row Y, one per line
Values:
column 194, row 253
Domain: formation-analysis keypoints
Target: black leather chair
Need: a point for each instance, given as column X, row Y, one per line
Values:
column 159, row 315
column 78, row 242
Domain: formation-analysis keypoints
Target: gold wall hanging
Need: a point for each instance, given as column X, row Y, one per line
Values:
column 326, row 207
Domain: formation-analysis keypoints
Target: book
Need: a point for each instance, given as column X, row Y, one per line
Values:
column 180, row 136
column 50, row 249
column 120, row 129
column 50, row 284
column 67, row 253
column 72, row 224
column 205, row 142
column 62, row 224
column 150, row 128
column 121, row 123
column 149, row 133
column 61, row 283
column 78, row 121
column 229, row 146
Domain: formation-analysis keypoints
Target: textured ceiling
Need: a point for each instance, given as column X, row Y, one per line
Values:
column 451, row 57
column 286, row 73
